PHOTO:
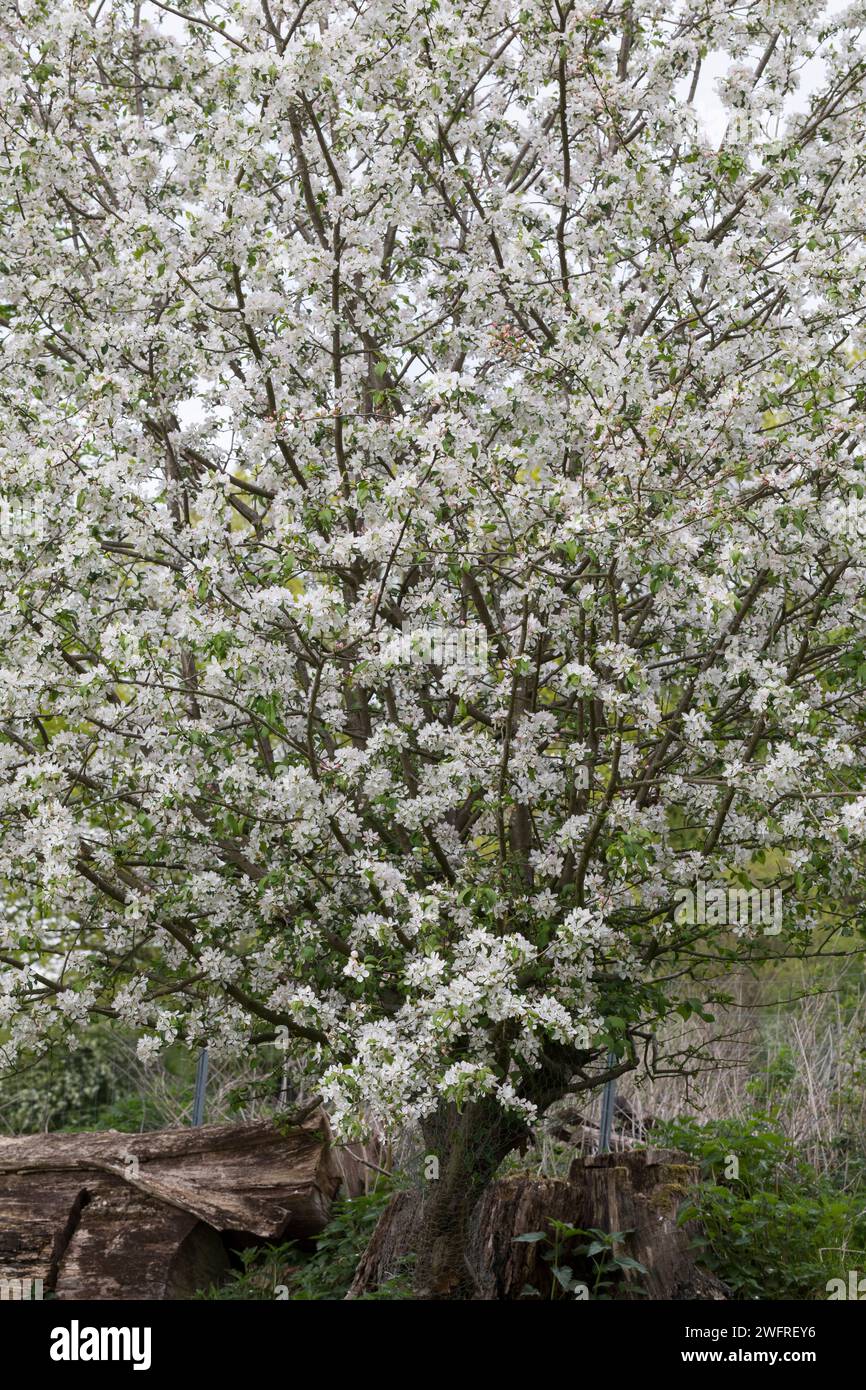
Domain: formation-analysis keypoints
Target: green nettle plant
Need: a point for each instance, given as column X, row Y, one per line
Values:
column 444, row 544
column 777, row 1229
column 294, row 1272
column 599, row 1255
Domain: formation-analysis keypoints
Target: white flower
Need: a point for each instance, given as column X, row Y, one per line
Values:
column 355, row 968
column 148, row 1048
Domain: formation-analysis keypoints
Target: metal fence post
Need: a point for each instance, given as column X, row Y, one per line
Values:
column 607, row 1102
column 200, row 1087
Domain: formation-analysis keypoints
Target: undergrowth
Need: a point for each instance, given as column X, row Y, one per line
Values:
column 315, row 1270
column 772, row 1226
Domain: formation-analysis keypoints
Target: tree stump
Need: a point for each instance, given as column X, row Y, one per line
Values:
column 637, row 1192
column 393, row 1239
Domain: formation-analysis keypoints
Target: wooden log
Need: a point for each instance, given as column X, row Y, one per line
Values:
column 37, row 1219
column 125, row 1241
column 139, row 1216
column 635, row 1192
column 252, row 1177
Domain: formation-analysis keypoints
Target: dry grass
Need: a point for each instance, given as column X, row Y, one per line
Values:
column 787, row 1046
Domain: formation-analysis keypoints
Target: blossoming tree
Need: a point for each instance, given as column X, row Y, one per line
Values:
column 327, row 325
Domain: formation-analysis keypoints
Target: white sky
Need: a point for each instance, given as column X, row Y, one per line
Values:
column 711, row 113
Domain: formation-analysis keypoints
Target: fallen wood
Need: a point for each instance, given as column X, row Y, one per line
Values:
column 246, row 1177
column 124, row 1236
column 142, row 1215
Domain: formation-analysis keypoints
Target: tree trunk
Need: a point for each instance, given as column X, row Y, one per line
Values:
column 465, row 1240
column 432, row 1225
column 469, row 1146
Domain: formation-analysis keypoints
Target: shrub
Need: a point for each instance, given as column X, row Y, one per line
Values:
column 777, row 1229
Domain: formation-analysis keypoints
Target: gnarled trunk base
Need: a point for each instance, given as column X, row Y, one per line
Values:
column 430, row 1226
column 636, row 1192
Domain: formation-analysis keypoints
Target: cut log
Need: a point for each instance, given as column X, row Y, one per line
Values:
column 637, row 1192
column 251, row 1177
column 37, row 1220
column 140, row 1216
column 634, row 1192
column 126, row 1236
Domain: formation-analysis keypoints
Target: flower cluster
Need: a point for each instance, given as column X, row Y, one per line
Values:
column 322, row 325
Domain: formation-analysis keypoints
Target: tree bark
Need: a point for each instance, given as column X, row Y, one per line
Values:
column 469, row 1146
column 126, row 1216
column 477, row 1256
column 430, row 1226
column 638, row 1193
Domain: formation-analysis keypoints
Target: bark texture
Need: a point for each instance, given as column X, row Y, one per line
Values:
column 636, row 1192
column 127, row 1216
